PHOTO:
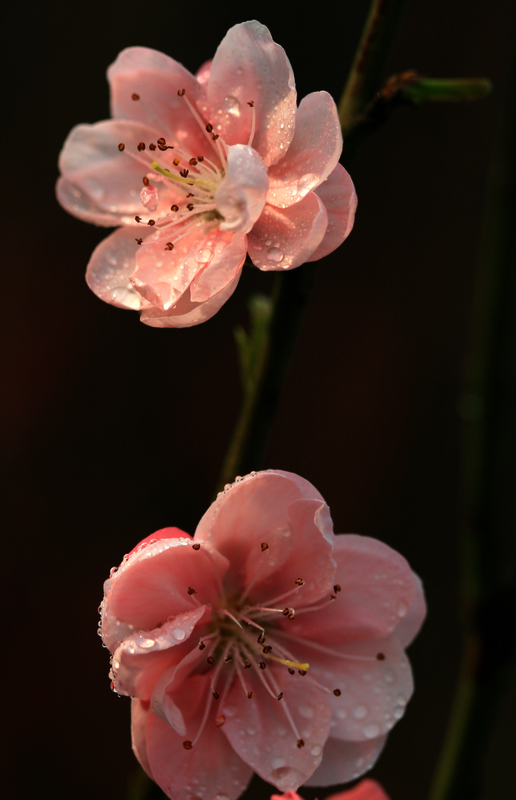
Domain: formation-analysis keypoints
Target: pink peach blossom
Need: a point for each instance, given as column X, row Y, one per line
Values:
column 200, row 170
column 263, row 643
column 365, row 790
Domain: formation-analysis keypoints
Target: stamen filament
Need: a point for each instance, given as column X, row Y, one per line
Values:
column 189, row 180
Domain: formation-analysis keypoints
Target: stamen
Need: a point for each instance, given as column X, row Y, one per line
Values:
column 196, row 546
column 135, row 96
column 264, row 546
column 219, row 721
column 121, row 147
column 253, row 123
column 328, row 650
column 141, row 146
column 187, row 745
column 224, row 612
column 300, row 743
column 170, row 246
column 138, row 241
column 337, row 692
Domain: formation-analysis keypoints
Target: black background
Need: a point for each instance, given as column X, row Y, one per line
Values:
column 111, row 430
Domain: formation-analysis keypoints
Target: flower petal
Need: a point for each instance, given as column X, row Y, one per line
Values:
column 240, row 197
column 209, row 769
column 100, row 184
column 409, row 626
column 285, row 513
column 110, row 267
column 249, row 67
column 284, row 238
column 260, row 730
column 152, row 585
column 345, row 761
column 156, row 79
column 378, row 590
column 142, row 657
column 313, row 154
column 340, row 200
column 223, row 267
column 139, row 711
column 374, row 693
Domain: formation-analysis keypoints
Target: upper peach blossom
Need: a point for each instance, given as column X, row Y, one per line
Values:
column 199, row 170
column 264, row 643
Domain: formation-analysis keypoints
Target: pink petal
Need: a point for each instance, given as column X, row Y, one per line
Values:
column 249, row 67
column 169, row 690
column 100, row 184
column 313, row 154
column 156, row 79
column 186, row 313
column 139, row 713
column 163, row 533
column 260, row 732
column 162, row 276
column 141, row 658
column 345, row 761
column 409, row 626
column 153, row 584
column 240, row 197
column 365, row 790
column 290, row 516
column 110, row 267
column 340, row 199
column 374, row 693
column 203, row 73
column 209, row 769
column 378, row 590
column 284, row 238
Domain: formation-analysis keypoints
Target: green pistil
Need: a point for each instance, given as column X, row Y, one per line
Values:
column 189, row 180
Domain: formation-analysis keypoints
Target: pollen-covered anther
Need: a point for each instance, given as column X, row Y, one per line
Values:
column 137, row 218
column 250, row 695
column 337, row 692
column 174, row 208
column 181, row 92
column 286, row 612
column 250, row 103
column 215, row 136
column 170, row 246
column 300, row 743
column 209, row 127
column 262, row 664
column 193, row 162
column 280, row 696
column 135, row 96
column 200, row 158
column 299, row 582
column 337, row 588
column 138, row 241
column 380, row 656
column 247, row 665
column 215, row 694
column 292, row 671
column 220, row 720
column 201, row 645
column 187, row 745
column 121, row 146
column 151, row 222
column 228, row 659
column 141, row 146
column 196, row 546
column 264, row 546
column 145, row 180
column 267, row 649
column 184, row 173
column 210, row 660
column 190, row 206
column 302, row 671
column 152, row 146
column 176, row 162
column 190, row 590
column 261, row 638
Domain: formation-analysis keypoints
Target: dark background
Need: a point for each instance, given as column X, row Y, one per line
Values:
column 111, row 429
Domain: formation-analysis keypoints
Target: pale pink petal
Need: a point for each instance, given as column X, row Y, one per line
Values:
column 374, row 693
column 249, row 67
column 240, row 197
column 260, row 731
column 340, row 200
column 169, row 689
column 101, row 184
column 345, row 761
column 203, row 73
column 378, row 590
column 110, row 268
column 223, row 267
column 209, row 769
column 163, row 533
column 153, row 584
column 365, row 790
column 313, row 154
column 156, row 79
column 139, row 711
column 284, row 238
column 274, row 509
column 186, row 313
column 141, row 657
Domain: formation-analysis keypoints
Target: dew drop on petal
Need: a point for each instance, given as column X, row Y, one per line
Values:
column 275, row 254
column 306, row 711
column 371, row 731
column 316, row 750
column 389, row 676
column 146, row 643
column 398, row 712
column 179, row 634
column 277, row 763
column 359, row 712
column 402, row 609
column 232, row 106
column 204, row 255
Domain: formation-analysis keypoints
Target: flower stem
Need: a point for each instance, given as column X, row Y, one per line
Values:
column 487, row 492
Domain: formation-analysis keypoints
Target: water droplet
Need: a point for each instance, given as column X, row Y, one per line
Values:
column 389, row 676
column 398, row 712
column 366, row 676
column 288, row 778
column 316, row 750
column 306, row 711
column 251, row 731
column 232, row 106
column 359, row 712
column 371, row 731
column 342, row 714
column 401, row 609
column 204, row 255
column 179, row 634
column 401, row 700
column 277, row 763
column 94, row 188
column 275, row 254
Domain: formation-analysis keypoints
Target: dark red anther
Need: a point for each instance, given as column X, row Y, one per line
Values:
column 190, row 194
column 337, row 692
column 250, row 695
column 187, row 745
column 215, row 137
column 261, row 638
column 162, row 141
column 170, row 246
column 215, row 694
column 250, row 103
column 137, row 218
column 196, row 546
column 141, row 146
column 181, row 92
column 228, row 659
column 292, row 671
column 151, row 222
column 174, row 208
column 190, row 206
column 380, row 656
column 121, row 146
column 146, row 181
column 210, row 660
column 200, row 158
column 209, row 127
column 201, row 645
column 193, row 162
column 190, row 590
column 286, row 612
column 152, row 146
column 247, row 665
column 300, row 743
column 138, row 241
column 280, row 696
column 262, row 664
column 264, row 546
column 184, row 173
column 267, row 649
column 135, row 96
column 299, row 581
column 302, row 671
column 337, row 588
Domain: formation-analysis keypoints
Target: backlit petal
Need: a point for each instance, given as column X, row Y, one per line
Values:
column 240, row 197
column 110, row 268
column 345, row 761
column 340, row 200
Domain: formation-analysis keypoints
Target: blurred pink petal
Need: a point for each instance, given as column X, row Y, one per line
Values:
column 365, row 790
column 217, row 156
column 263, row 643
